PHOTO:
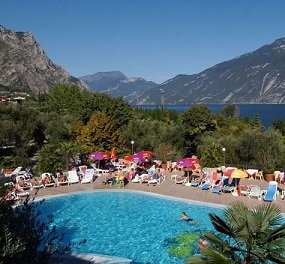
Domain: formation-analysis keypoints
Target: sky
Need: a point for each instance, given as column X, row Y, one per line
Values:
column 152, row 39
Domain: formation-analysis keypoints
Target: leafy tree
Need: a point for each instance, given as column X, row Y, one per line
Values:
column 165, row 152
column 261, row 149
column 256, row 122
column 49, row 159
column 65, row 99
column 211, row 156
column 99, row 134
column 245, row 235
column 197, row 121
column 279, row 125
column 24, row 238
column 20, row 131
column 58, row 128
column 116, row 108
column 230, row 111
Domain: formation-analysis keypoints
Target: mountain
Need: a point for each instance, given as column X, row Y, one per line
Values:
column 117, row 84
column 256, row 77
column 25, row 67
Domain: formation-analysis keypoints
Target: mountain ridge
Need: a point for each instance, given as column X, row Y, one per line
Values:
column 25, row 67
column 116, row 84
column 254, row 77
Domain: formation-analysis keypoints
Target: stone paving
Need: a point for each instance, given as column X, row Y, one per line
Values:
column 169, row 188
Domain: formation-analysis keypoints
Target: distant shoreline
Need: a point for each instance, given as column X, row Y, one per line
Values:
column 267, row 112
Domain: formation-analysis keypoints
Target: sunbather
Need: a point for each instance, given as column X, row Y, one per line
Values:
column 34, row 181
column 61, row 177
column 21, row 182
column 47, row 179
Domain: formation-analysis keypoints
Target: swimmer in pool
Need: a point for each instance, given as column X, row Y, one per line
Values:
column 185, row 217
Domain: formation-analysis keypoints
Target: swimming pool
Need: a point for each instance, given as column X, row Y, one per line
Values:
column 126, row 224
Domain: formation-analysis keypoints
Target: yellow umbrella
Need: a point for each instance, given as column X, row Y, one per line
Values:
column 239, row 174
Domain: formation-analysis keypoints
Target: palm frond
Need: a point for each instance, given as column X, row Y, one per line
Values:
column 220, row 225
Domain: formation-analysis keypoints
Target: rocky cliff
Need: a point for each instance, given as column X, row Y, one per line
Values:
column 25, row 67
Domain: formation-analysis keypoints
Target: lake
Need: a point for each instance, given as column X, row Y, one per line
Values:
column 266, row 112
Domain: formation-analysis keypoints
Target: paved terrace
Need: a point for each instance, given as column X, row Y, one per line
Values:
column 169, row 188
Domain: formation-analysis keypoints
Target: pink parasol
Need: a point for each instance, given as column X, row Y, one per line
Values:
column 99, row 156
column 188, row 162
column 145, row 154
column 135, row 158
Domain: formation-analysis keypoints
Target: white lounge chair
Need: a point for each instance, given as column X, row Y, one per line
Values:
column 136, row 179
column 51, row 181
column 22, row 183
column 82, row 171
column 271, row 192
column 88, row 176
column 61, row 179
column 255, row 192
column 15, row 192
column 72, row 177
column 14, row 172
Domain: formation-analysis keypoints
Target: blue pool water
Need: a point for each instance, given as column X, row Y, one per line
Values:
column 125, row 224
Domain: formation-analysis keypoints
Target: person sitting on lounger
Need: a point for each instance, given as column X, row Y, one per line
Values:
column 47, row 179
column 61, row 177
column 22, row 183
column 34, row 181
column 185, row 217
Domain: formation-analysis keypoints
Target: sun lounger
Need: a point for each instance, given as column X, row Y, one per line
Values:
column 14, row 172
column 271, row 192
column 47, row 180
column 206, row 186
column 195, row 184
column 61, row 179
column 23, row 184
column 228, row 189
column 136, row 179
column 88, row 176
column 72, row 177
column 255, row 192
column 217, row 190
column 181, row 180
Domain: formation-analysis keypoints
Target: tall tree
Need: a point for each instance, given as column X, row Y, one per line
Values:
column 99, row 134
column 197, row 121
column 65, row 99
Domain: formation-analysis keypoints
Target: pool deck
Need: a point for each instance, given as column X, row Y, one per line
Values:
column 169, row 188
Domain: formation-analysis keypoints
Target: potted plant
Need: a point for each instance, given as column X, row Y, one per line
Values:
column 269, row 172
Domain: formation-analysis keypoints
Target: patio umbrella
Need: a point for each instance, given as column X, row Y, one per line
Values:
column 145, row 154
column 229, row 172
column 188, row 162
column 98, row 156
column 239, row 174
column 135, row 158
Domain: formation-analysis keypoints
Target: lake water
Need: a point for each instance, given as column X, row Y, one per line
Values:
column 266, row 112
